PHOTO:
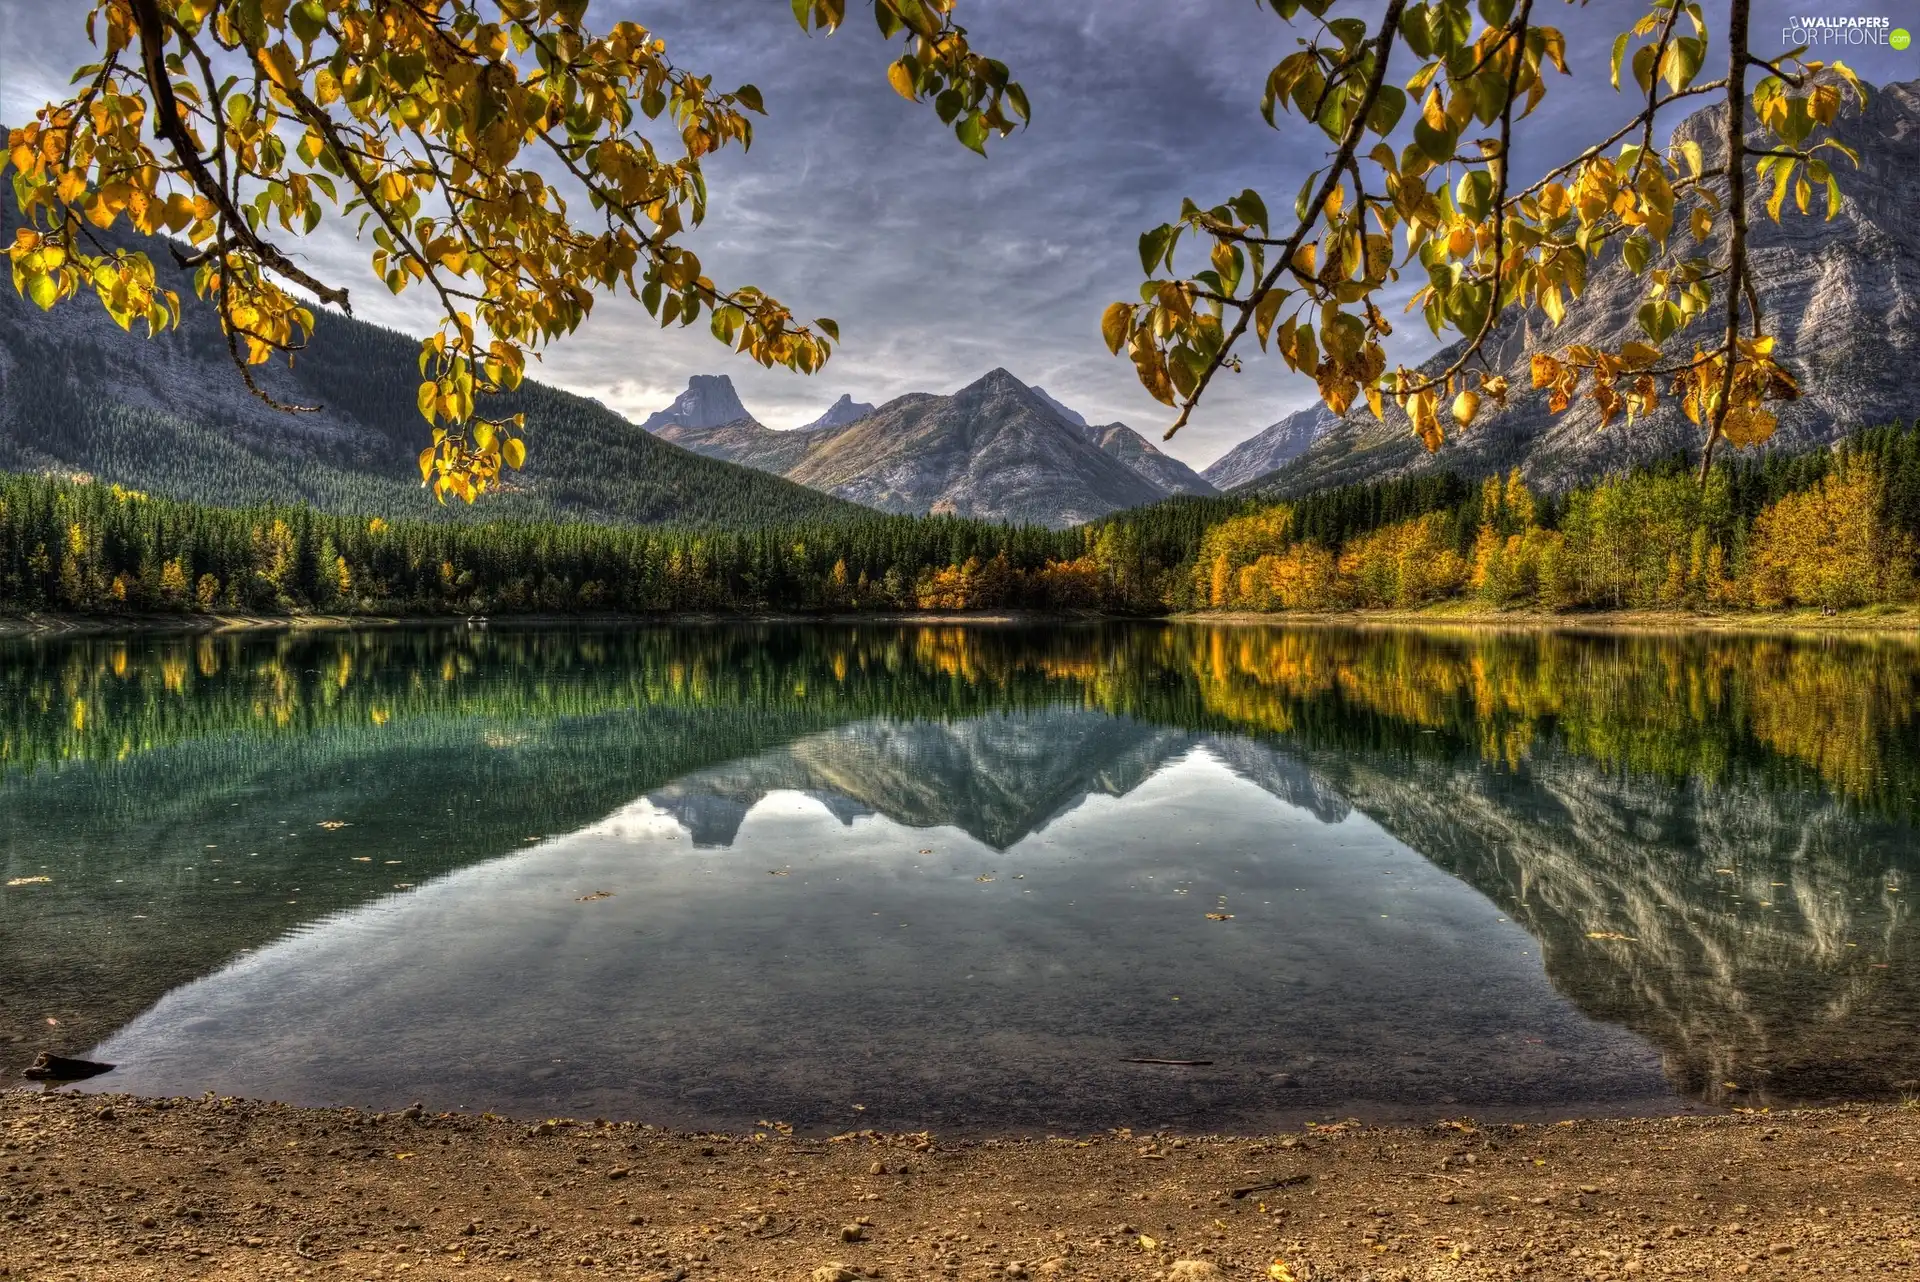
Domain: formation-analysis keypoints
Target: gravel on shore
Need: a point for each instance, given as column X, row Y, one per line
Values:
column 107, row 1187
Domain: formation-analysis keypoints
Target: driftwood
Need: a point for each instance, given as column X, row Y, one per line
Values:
column 1285, row 1182
column 47, row 1067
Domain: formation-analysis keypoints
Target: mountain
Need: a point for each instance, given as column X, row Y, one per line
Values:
column 997, row 449
column 992, row 450
column 999, row 779
column 1842, row 295
column 1136, row 451
column 170, row 416
column 842, row 412
column 747, row 443
column 709, row 401
column 1072, row 416
column 1269, row 451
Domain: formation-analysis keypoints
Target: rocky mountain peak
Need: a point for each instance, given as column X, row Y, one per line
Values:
column 1269, row 450
column 1072, row 416
column 843, row 411
column 998, row 381
column 709, row 401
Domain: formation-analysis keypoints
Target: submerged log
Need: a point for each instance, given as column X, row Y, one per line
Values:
column 58, row 1068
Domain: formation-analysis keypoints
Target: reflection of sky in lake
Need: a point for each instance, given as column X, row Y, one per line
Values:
column 830, row 957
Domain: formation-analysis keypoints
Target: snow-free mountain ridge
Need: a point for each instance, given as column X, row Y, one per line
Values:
column 996, row 449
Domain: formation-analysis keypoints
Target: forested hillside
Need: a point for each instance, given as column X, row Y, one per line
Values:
column 1831, row 529
column 78, row 397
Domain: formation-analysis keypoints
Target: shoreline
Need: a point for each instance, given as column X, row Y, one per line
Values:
column 1873, row 620
column 113, row 1187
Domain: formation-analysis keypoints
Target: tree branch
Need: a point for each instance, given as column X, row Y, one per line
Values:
column 1738, row 17
column 166, row 123
column 1356, row 129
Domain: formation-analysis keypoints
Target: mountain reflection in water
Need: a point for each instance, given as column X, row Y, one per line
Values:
column 1700, row 849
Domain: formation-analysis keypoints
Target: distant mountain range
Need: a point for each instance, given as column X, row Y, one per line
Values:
column 1843, row 296
column 171, row 416
column 996, row 449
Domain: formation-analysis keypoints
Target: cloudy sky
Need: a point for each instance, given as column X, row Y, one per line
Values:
column 939, row 265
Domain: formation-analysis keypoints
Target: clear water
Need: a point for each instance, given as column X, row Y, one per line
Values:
column 961, row 879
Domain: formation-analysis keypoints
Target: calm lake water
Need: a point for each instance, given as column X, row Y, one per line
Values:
column 959, row 878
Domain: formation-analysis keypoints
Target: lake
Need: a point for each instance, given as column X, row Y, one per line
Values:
column 975, row 879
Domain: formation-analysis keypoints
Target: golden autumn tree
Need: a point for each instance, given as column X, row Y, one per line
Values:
column 1446, row 210
column 496, row 153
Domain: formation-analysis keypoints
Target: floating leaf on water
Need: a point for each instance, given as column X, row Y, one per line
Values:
column 1219, row 916
column 31, row 881
column 596, row 895
column 391, row 862
column 331, row 825
column 363, row 859
column 777, row 872
column 985, row 876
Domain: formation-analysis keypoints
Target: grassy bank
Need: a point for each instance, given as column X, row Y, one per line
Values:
column 1882, row 618
column 116, row 1188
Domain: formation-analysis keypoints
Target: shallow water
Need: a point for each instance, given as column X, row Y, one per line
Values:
column 959, row 878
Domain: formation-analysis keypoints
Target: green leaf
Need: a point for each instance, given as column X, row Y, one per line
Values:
column 1155, row 246
column 972, row 131
column 1474, row 193
column 1636, row 252
column 1387, row 109
column 1252, row 210
column 1435, row 144
column 1017, row 99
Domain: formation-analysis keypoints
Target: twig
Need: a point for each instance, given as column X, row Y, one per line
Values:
column 1287, row 1181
